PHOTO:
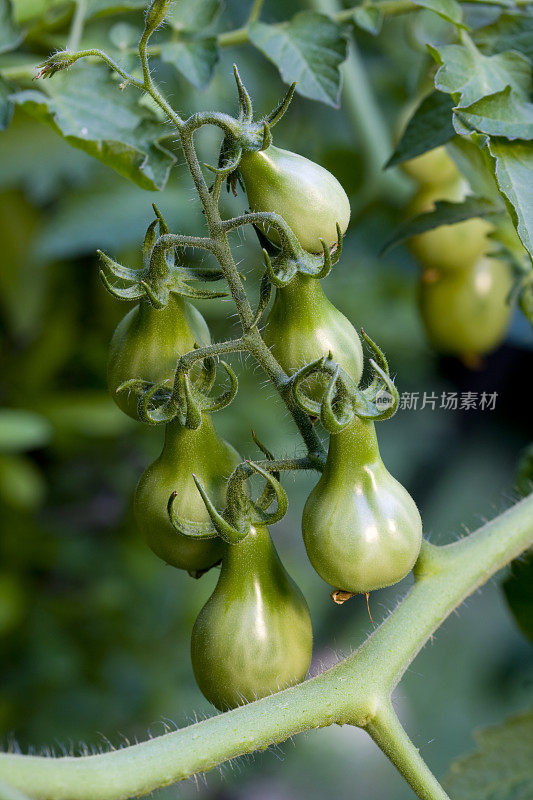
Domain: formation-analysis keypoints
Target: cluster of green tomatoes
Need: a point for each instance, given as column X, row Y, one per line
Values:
column 362, row 530
column 464, row 288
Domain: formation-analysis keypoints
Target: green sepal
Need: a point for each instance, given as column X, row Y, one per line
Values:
column 283, row 263
column 160, row 274
column 342, row 398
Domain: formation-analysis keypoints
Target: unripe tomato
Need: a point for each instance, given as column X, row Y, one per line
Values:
column 253, row 636
column 466, row 313
column 308, row 197
column 147, row 343
column 185, row 451
column 303, row 325
column 433, row 168
column 448, row 247
column 361, row 528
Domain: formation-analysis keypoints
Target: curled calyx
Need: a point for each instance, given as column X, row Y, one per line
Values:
column 243, row 134
column 161, row 273
column 186, row 399
column 285, row 260
column 342, row 399
column 242, row 512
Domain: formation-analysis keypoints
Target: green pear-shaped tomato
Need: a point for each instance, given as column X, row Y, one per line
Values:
column 185, row 452
column 308, row 197
column 253, row 636
column 147, row 343
column 303, row 325
column 433, row 168
column 466, row 313
column 361, row 528
column 448, row 247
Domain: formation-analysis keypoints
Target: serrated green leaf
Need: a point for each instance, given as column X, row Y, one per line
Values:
column 449, row 10
column 10, row 33
column 6, row 105
column 445, row 213
column 512, row 31
column 193, row 15
column 502, row 114
column 195, row 58
column 513, row 167
column 369, row 18
column 87, row 108
column 22, row 430
column 309, row 50
column 430, row 126
column 518, row 591
column 502, row 767
column 469, row 75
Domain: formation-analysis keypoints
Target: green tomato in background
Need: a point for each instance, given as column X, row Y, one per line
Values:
column 361, row 528
column 308, row 197
column 303, row 325
column 185, row 452
column 147, row 343
column 466, row 313
column 254, row 635
column 448, row 247
column 433, row 168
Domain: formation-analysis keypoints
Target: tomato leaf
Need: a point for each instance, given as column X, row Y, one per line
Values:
column 369, row 18
column 449, row 10
column 502, row 766
column 193, row 15
column 10, row 34
column 445, row 213
column 513, row 167
column 429, row 127
column 22, row 430
column 88, row 109
column 502, row 114
column 475, row 165
column 469, row 75
column 512, row 31
column 309, row 50
column 194, row 57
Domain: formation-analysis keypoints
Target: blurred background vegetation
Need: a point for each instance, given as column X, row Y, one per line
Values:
column 94, row 628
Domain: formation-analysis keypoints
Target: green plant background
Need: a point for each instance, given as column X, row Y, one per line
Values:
column 93, row 628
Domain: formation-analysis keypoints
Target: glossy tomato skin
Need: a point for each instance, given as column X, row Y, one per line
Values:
column 361, row 528
column 253, row 636
column 147, row 343
column 466, row 314
column 185, row 452
column 303, row 325
column 448, row 247
column 308, row 197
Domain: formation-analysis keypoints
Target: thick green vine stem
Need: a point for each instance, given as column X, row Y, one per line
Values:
column 355, row 691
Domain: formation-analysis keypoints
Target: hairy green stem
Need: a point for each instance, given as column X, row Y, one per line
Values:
column 354, row 691
column 388, row 733
column 186, row 361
